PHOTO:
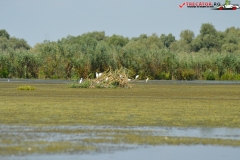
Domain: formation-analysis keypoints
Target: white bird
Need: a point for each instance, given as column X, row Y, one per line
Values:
column 136, row 76
column 107, row 79
column 129, row 80
column 147, row 79
column 80, row 81
column 97, row 75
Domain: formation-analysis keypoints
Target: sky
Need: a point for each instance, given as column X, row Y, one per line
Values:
column 39, row 20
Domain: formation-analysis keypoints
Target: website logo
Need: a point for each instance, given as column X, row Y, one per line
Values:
column 213, row 5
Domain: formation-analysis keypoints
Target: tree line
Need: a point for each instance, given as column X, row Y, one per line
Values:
column 211, row 55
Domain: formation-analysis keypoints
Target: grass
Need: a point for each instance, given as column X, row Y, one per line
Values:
column 182, row 105
column 42, row 147
column 25, row 87
column 143, row 105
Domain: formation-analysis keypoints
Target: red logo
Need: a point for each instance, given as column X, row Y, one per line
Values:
column 180, row 6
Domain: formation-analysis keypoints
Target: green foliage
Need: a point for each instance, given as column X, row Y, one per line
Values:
column 85, row 84
column 209, row 75
column 4, row 33
column 167, row 40
column 230, row 76
column 164, row 76
column 25, row 87
column 117, row 40
column 227, row 76
column 73, row 85
column 159, row 57
column 185, row 74
column 187, row 36
column 3, row 73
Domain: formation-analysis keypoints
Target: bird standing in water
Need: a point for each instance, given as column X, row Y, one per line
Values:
column 147, row 79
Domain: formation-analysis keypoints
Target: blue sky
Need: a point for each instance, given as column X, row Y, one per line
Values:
column 39, row 20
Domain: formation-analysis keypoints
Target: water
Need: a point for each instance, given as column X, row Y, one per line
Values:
column 74, row 134
column 41, row 132
column 166, row 152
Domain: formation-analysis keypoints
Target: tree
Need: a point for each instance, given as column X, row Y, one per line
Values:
column 187, row 36
column 4, row 33
column 117, row 40
column 207, row 39
column 167, row 40
column 206, row 29
column 16, row 43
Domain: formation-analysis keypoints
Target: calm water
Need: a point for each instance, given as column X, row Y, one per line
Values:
column 126, row 151
column 221, row 133
column 198, row 152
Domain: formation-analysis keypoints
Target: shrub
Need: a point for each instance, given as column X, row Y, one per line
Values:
column 209, row 75
column 227, row 76
column 165, row 76
column 85, row 84
column 72, row 85
column 3, row 73
column 230, row 76
column 25, row 87
column 185, row 74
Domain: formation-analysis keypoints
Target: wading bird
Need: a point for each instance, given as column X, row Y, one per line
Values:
column 80, row 81
column 147, row 79
column 136, row 76
column 97, row 75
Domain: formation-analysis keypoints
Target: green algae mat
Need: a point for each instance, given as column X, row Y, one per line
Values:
column 185, row 105
column 145, row 104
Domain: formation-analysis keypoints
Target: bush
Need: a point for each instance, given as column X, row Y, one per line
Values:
column 85, row 84
column 73, row 85
column 230, row 76
column 237, row 77
column 185, row 74
column 165, row 76
column 209, row 75
column 3, row 73
column 25, row 87
column 227, row 76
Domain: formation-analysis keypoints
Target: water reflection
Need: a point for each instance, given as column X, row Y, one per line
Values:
column 198, row 152
column 76, row 134
column 44, row 134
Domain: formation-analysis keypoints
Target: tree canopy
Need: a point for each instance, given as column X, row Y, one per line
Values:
column 211, row 55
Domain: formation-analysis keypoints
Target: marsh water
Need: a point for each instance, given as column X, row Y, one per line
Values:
column 117, row 151
column 56, row 134
column 166, row 152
